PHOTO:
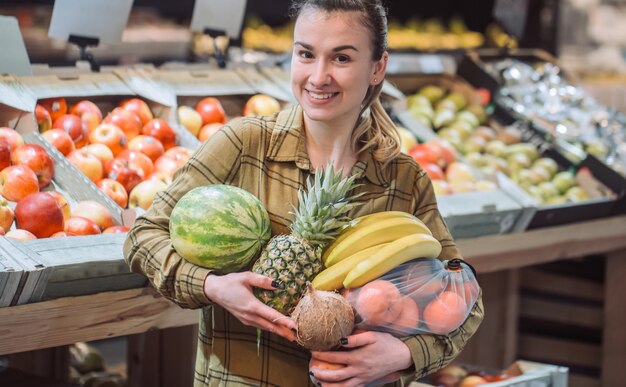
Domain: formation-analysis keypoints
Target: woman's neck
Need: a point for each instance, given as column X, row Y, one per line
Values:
column 326, row 143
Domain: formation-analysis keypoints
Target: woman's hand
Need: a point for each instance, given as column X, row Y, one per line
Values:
column 233, row 292
column 371, row 359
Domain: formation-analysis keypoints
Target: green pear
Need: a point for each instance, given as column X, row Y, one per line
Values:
column 526, row 148
column 563, row 181
column 418, row 100
column 443, row 118
column 548, row 164
column 496, row 148
column 597, row 148
column 548, row 190
column 459, row 99
column 468, row 117
column 432, row 92
column 576, row 194
column 479, row 112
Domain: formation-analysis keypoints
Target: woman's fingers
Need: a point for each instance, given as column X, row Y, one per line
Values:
column 261, row 281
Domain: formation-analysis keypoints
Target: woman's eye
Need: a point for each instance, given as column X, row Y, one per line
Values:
column 305, row 54
column 342, row 58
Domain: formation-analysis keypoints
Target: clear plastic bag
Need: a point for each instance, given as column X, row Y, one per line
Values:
column 424, row 295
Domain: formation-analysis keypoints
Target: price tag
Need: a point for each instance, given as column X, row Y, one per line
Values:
column 512, row 15
column 96, row 19
column 14, row 56
column 219, row 15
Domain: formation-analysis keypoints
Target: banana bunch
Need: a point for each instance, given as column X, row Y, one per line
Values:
column 373, row 245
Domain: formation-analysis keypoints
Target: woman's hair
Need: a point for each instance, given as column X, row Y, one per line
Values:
column 374, row 129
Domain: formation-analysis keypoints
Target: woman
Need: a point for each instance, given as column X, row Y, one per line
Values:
column 338, row 66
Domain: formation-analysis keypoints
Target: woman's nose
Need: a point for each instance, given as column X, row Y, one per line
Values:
column 320, row 75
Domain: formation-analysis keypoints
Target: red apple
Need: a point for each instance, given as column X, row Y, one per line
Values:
column 17, row 182
column 179, row 153
column 74, row 126
column 88, row 112
column 101, row 151
column 55, row 106
column 62, row 202
column 20, row 235
column 168, row 165
column 160, row 130
column 446, row 151
column 44, row 121
column 208, row 130
column 6, row 214
column 87, row 163
column 459, row 172
column 147, row 145
column 94, row 211
column 40, row 214
column 115, row 190
column 118, row 170
column 12, row 137
column 126, row 120
column 5, row 153
column 261, row 104
column 111, row 136
column 161, row 176
column 434, row 171
column 116, row 230
column 140, row 108
column 36, row 158
column 190, row 119
column 60, row 139
column 138, row 162
column 144, row 192
column 62, row 234
column 425, row 154
column 211, row 110
column 81, row 226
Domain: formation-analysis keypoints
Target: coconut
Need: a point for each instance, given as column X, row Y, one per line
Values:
column 322, row 318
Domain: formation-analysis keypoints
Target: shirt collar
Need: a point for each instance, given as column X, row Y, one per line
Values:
column 288, row 144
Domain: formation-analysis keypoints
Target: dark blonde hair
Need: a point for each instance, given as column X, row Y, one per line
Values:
column 374, row 129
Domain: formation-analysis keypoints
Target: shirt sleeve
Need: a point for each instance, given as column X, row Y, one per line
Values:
column 432, row 352
column 148, row 249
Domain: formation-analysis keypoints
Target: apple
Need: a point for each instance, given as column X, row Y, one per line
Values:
column 62, row 234
column 168, row 165
column 55, row 106
column 94, row 211
column 44, row 121
column 37, row 159
column 261, row 104
column 101, row 151
column 147, row 145
column 6, row 214
column 441, row 187
column 74, row 126
column 88, row 112
column 160, row 130
column 459, row 171
column 211, row 110
column 472, row 381
column 87, row 163
column 425, row 154
column 138, row 161
column 161, row 176
column 60, row 139
column 111, row 136
column 81, row 226
column 460, row 186
column 127, row 120
column 179, row 153
column 190, row 119
column 40, row 214
column 140, row 108
column 144, row 192
column 209, row 130
column 119, row 170
column 20, row 235
column 17, row 182
column 116, row 230
column 12, row 137
column 5, row 153
column 434, row 171
column 62, row 202
column 115, row 190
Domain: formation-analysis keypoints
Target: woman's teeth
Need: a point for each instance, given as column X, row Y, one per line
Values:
column 321, row 96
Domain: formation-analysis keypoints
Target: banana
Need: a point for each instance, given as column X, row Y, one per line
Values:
column 375, row 233
column 332, row 278
column 390, row 256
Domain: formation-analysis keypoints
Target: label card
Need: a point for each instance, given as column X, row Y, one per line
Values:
column 219, row 15
column 14, row 56
column 104, row 20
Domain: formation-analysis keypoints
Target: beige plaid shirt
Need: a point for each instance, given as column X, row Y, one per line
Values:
column 267, row 156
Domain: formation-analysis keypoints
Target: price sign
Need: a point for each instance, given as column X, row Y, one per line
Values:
column 219, row 15
column 14, row 56
column 512, row 15
column 103, row 21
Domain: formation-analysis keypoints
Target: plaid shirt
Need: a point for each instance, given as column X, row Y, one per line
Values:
column 267, row 156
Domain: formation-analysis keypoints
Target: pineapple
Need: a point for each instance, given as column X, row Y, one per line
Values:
column 295, row 259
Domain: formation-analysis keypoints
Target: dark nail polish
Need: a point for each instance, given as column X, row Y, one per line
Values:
column 311, row 373
column 319, row 384
column 277, row 284
column 343, row 341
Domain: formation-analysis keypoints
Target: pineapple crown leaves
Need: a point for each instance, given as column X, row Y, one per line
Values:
column 323, row 208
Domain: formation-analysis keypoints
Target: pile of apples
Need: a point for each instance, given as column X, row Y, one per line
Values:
column 454, row 375
column 26, row 201
column 129, row 154
column 208, row 115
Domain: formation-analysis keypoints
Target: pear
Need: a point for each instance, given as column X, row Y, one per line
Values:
column 433, row 93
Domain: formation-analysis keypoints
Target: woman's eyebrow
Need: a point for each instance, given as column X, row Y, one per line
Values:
column 336, row 49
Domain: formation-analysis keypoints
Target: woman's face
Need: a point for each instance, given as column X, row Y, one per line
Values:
column 332, row 66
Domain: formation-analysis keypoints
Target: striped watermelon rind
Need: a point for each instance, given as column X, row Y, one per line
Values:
column 219, row 227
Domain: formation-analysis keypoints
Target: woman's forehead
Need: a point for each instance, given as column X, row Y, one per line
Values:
column 309, row 24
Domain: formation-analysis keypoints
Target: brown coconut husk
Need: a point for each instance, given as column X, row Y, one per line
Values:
column 322, row 319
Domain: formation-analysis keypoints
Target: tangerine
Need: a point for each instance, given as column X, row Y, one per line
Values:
column 445, row 313
column 409, row 317
column 422, row 281
column 379, row 303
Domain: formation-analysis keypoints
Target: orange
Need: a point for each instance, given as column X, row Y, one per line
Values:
column 422, row 281
column 379, row 303
column 409, row 317
column 323, row 365
column 445, row 313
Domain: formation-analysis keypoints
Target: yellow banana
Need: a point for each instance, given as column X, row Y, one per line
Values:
column 332, row 278
column 374, row 234
column 361, row 222
column 390, row 256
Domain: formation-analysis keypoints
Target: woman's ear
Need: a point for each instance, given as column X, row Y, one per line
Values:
column 380, row 67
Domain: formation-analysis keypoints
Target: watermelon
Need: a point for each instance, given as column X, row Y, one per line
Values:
column 219, row 227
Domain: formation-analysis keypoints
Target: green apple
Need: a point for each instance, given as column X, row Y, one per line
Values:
column 446, row 104
column 523, row 147
column 518, row 161
column 432, row 92
column 547, row 189
column 563, row 181
column 473, row 144
column 475, row 158
column 540, row 174
column 576, row 194
column 496, row 148
column 559, row 199
column 597, row 148
column 548, row 164
column 468, row 117
column 416, row 100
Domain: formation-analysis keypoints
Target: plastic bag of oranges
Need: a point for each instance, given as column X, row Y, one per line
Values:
column 424, row 295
